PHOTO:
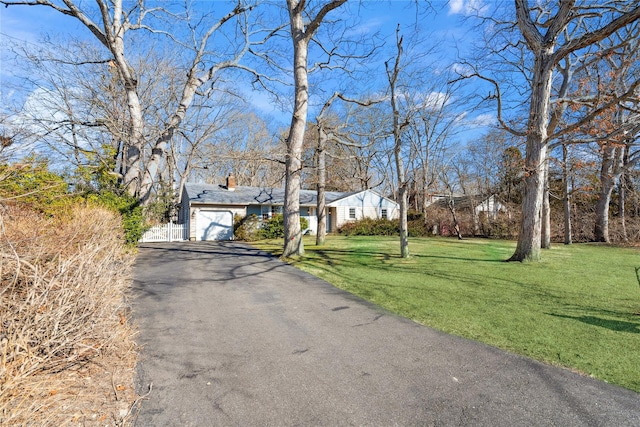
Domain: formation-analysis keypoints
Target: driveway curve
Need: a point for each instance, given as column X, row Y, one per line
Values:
column 234, row 337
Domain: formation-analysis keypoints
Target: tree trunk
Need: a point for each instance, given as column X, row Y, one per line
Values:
column 529, row 238
column 322, row 178
column 301, row 35
column 402, row 186
column 425, row 200
column 545, row 240
column 542, row 39
column 452, row 209
column 132, row 153
column 568, row 239
column 404, row 226
column 392, row 75
column 293, row 245
column 609, row 172
column 622, row 185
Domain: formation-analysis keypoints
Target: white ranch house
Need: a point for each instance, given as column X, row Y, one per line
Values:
column 488, row 205
column 207, row 210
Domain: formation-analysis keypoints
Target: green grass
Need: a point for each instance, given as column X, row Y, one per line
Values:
column 578, row 308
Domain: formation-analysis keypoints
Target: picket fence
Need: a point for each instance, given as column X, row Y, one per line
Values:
column 165, row 233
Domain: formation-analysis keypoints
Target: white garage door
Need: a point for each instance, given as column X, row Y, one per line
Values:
column 214, row 225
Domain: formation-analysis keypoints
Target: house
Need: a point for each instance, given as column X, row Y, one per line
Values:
column 208, row 209
column 483, row 205
column 475, row 213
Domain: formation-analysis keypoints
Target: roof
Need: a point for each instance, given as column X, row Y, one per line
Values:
column 244, row 196
column 462, row 202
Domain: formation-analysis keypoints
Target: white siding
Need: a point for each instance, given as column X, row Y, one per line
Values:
column 367, row 204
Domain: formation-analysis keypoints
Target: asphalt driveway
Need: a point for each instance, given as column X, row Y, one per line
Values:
column 234, row 337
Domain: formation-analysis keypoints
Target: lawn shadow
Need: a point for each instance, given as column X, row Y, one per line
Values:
column 386, row 256
column 326, row 252
column 459, row 258
column 614, row 325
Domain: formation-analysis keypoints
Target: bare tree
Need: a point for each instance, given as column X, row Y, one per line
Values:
column 112, row 29
column 393, row 72
column 338, row 134
column 304, row 21
column 554, row 34
column 429, row 134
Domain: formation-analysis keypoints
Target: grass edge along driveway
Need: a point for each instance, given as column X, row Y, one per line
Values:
column 578, row 308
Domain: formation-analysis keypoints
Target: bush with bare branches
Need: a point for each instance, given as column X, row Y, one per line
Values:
column 66, row 345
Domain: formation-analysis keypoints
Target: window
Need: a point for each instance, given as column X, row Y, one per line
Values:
column 275, row 210
column 265, row 212
column 352, row 213
column 383, row 213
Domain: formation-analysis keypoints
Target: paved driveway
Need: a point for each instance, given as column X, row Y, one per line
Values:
column 233, row 337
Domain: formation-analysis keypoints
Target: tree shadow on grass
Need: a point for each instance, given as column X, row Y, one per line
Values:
column 614, row 325
column 461, row 258
column 327, row 252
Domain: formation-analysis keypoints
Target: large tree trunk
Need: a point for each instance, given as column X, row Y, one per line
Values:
column 132, row 157
column 160, row 146
column 301, row 35
column 293, row 245
column 529, row 239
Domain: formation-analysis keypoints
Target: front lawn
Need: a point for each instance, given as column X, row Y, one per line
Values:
column 578, row 308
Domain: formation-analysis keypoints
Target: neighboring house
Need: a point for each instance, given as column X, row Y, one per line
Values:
column 208, row 209
column 483, row 207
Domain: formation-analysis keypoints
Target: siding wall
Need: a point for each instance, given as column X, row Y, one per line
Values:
column 367, row 205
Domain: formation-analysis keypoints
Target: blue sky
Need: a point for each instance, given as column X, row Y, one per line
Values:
column 444, row 24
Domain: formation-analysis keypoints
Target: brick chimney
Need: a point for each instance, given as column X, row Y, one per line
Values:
column 231, row 183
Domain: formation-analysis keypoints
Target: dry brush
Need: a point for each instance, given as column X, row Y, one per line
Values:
column 66, row 344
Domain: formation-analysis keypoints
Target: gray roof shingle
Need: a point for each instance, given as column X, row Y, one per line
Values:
column 244, row 196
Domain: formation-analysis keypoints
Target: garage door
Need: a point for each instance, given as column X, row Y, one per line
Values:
column 214, row 225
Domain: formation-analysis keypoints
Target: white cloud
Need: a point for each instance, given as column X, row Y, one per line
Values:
column 461, row 69
column 369, row 27
column 435, row 100
column 455, row 6
column 466, row 7
column 483, row 120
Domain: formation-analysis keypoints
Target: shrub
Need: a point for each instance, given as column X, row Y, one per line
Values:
column 133, row 220
column 246, row 228
column 370, row 227
column 417, row 227
column 31, row 184
column 273, row 228
column 62, row 306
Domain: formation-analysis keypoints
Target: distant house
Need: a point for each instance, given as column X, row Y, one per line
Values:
column 474, row 211
column 208, row 209
column 481, row 205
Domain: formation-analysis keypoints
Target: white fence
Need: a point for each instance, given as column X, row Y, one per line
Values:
column 165, row 233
